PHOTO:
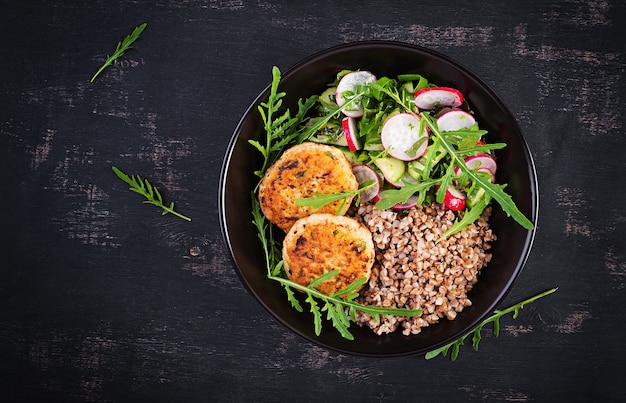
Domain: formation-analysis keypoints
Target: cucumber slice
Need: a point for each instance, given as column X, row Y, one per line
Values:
column 392, row 169
column 415, row 169
column 330, row 133
column 327, row 100
column 352, row 157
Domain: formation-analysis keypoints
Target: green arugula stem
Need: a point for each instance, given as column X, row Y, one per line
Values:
column 494, row 318
column 348, row 304
column 151, row 193
column 169, row 209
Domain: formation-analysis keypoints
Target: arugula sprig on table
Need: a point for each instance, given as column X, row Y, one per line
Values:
column 455, row 346
column 122, row 47
column 151, row 193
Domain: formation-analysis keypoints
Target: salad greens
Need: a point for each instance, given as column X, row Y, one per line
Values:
column 444, row 161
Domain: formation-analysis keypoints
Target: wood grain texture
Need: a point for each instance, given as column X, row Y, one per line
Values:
column 102, row 299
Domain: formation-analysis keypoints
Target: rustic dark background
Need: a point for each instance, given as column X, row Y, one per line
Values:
column 102, row 299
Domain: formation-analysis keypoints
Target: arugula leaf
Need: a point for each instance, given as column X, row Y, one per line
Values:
column 334, row 305
column 476, row 333
column 322, row 278
column 469, row 217
column 145, row 188
column 391, row 197
column 121, row 48
column 319, row 200
column 495, row 191
column 280, row 130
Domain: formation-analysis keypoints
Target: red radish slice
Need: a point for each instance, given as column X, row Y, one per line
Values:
column 410, row 203
column 348, row 86
column 363, row 174
column 454, row 199
column 400, row 135
column 455, row 120
column 351, row 132
column 481, row 161
column 434, row 97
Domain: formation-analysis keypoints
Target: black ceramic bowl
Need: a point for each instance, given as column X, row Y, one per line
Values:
column 515, row 167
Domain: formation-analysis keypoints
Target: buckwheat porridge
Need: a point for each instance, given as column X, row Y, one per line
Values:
column 412, row 270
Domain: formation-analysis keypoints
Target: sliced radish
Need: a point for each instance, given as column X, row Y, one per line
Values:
column 392, row 169
column 407, row 179
column 402, row 137
column 487, row 171
column 348, row 87
column 410, row 203
column 481, row 161
column 454, row 199
column 455, row 120
column 351, row 132
column 363, row 174
column 434, row 97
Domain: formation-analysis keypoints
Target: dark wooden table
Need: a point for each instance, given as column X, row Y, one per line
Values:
column 103, row 299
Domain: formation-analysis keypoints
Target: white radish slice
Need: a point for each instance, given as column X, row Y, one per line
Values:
column 481, row 161
column 351, row 132
column 410, row 203
column 402, row 137
column 455, row 120
column 454, row 199
column 492, row 178
column 407, row 179
column 434, row 97
column 348, row 86
column 363, row 174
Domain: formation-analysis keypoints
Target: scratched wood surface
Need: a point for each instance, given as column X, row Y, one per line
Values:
column 103, row 299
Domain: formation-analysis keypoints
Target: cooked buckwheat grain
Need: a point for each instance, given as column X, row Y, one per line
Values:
column 413, row 271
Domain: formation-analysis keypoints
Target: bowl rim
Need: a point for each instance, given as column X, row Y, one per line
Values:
column 533, row 182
